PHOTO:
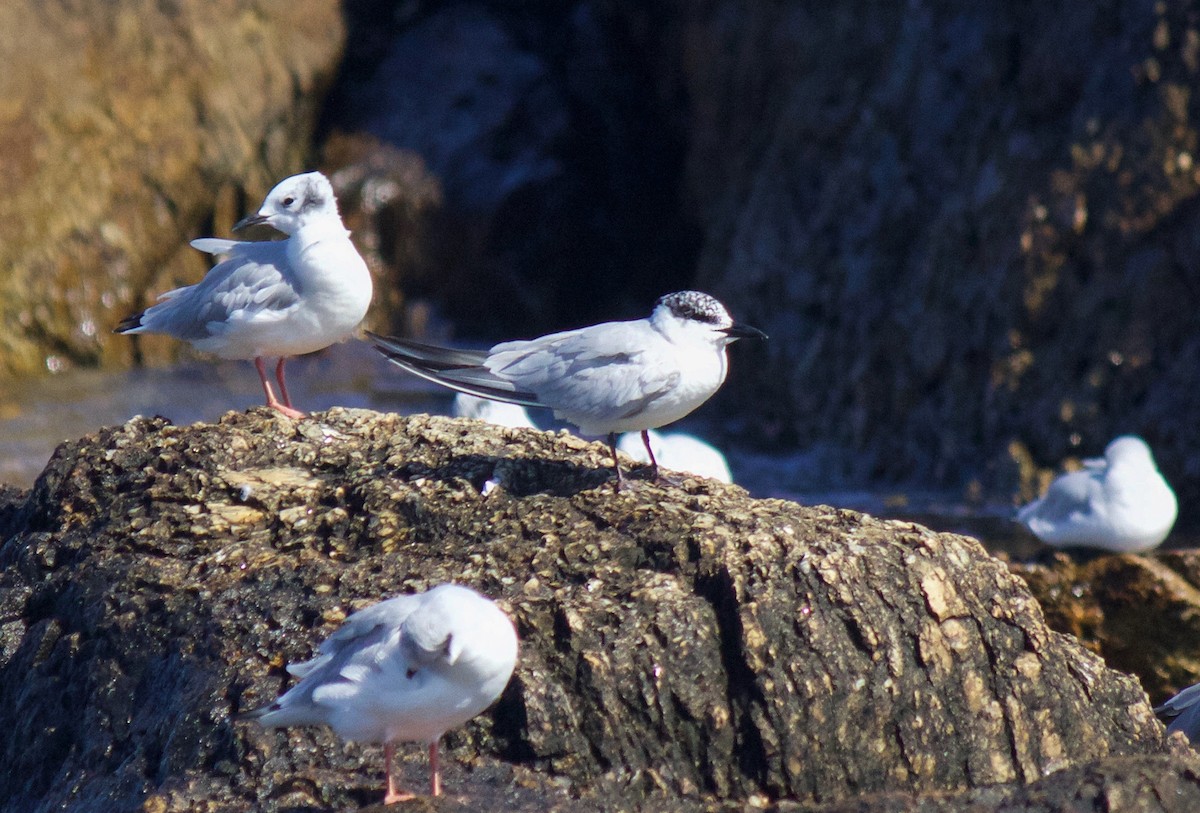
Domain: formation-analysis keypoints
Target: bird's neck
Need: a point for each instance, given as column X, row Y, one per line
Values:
column 317, row 231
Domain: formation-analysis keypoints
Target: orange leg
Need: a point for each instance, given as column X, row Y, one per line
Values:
column 435, row 774
column 272, row 402
column 393, row 795
column 287, row 399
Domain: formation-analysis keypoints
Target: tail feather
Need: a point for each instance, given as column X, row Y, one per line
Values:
column 256, row 714
column 460, row 370
column 427, row 355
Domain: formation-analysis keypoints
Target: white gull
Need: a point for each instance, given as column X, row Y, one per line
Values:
column 404, row 670
column 1119, row 503
column 276, row 298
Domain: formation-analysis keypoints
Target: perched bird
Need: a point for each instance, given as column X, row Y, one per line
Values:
column 497, row 412
column 272, row 298
column 608, row 378
column 1182, row 713
column 679, row 451
column 1119, row 503
column 404, row 670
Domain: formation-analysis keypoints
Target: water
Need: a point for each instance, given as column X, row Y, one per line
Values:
column 37, row 415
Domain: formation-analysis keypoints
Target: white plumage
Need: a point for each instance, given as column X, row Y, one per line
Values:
column 608, row 378
column 273, row 298
column 404, row 670
column 1119, row 503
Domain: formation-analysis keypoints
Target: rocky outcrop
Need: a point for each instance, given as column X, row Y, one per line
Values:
column 1162, row 784
column 1140, row 613
column 682, row 643
column 124, row 126
column 961, row 227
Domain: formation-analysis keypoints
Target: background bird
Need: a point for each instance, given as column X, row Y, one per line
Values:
column 608, row 378
column 404, row 670
column 679, row 451
column 276, row 298
column 1182, row 713
column 1119, row 502
column 497, row 412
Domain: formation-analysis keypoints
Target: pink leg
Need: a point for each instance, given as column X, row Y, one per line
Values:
column 649, row 451
column 271, row 400
column 612, row 447
column 287, row 399
column 435, row 774
column 393, row 795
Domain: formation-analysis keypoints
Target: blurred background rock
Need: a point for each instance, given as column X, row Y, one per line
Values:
column 971, row 230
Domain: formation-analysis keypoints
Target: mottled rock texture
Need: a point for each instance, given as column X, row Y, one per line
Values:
column 1140, row 613
column 961, row 224
column 681, row 644
column 126, row 127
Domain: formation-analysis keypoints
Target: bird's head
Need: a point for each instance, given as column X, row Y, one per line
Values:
column 294, row 202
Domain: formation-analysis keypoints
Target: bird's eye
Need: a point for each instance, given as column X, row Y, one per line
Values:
column 288, row 201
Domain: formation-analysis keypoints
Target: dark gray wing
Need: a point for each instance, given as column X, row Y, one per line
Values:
column 461, row 370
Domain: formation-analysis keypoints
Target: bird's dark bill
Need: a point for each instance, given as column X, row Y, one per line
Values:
column 248, row 221
column 737, row 331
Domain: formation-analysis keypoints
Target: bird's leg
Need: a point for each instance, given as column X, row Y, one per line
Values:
column 272, row 402
column 649, row 451
column 393, row 795
column 287, row 399
column 435, row 774
column 612, row 445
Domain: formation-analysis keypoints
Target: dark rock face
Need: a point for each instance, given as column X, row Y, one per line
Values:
column 125, row 126
column 1159, row 784
column 553, row 134
column 680, row 644
column 961, row 226
column 1140, row 613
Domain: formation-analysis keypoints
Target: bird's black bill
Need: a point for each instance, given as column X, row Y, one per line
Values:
column 743, row 332
column 248, row 221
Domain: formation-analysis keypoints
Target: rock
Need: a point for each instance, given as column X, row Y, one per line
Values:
column 1154, row 784
column 681, row 644
column 1140, row 613
column 960, row 226
column 549, row 132
column 124, row 127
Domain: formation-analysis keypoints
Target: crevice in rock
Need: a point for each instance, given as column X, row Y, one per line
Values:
column 742, row 691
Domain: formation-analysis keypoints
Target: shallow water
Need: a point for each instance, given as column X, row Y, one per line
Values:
column 42, row 413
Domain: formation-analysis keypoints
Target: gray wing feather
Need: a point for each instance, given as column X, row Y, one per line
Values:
column 616, row 377
column 216, row 245
column 253, row 282
column 1068, row 496
column 1182, row 712
column 461, row 370
column 390, row 614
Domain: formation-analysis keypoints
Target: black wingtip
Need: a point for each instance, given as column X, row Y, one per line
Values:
column 131, row 322
column 255, row 714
